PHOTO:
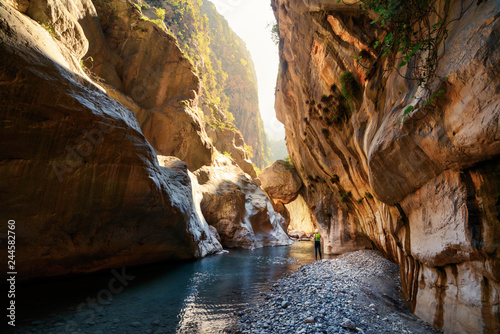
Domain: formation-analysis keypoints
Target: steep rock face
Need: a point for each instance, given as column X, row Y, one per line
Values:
column 227, row 139
column 240, row 211
column 302, row 219
column 130, row 54
column 425, row 191
column 226, row 70
column 241, row 85
column 78, row 176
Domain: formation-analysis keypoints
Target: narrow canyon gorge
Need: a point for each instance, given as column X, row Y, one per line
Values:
column 131, row 135
column 421, row 187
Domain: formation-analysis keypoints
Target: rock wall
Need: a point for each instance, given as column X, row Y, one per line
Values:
column 425, row 191
column 78, row 176
column 241, row 85
column 88, row 98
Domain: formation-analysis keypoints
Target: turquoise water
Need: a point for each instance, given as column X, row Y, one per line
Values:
column 196, row 297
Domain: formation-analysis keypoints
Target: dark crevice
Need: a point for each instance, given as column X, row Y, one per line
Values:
column 474, row 221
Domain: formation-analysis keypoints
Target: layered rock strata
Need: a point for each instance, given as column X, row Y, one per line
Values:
column 88, row 98
column 424, row 191
column 78, row 176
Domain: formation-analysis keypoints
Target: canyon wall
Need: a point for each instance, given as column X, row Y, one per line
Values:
column 226, row 70
column 422, row 188
column 91, row 93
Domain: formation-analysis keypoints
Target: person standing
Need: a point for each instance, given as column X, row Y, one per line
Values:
column 317, row 245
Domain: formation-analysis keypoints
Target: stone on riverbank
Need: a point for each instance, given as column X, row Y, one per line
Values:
column 356, row 292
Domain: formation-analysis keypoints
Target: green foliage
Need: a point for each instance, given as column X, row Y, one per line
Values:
column 344, row 196
column 144, row 7
column 160, row 12
column 349, row 87
column 335, row 178
column 287, row 162
column 416, row 29
column 368, row 195
column 49, row 28
column 249, row 151
column 227, row 154
column 359, row 200
column 275, row 33
column 158, row 22
column 83, row 66
column 257, row 170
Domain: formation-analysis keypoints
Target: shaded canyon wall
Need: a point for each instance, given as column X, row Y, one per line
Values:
column 425, row 192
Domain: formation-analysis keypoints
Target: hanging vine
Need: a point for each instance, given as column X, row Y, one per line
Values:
column 416, row 31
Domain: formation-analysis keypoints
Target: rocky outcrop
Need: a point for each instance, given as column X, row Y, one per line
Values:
column 130, row 56
column 301, row 218
column 227, row 139
column 424, row 191
column 82, row 92
column 281, row 181
column 78, row 176
column 240, row 211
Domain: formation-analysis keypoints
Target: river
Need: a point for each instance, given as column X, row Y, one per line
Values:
column 202, row 296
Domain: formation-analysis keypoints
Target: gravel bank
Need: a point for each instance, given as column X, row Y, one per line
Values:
column 356, row 292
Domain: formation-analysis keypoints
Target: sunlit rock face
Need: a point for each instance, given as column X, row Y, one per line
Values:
column 424, row 192
column 238, row 208
column 281, row 181
column 78, row 176
column 301, row 217
column 78, row 173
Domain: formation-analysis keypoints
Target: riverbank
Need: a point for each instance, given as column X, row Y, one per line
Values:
column 356, row 292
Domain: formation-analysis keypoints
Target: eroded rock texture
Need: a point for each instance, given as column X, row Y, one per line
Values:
column 238, row 208
column 78, row 176
column 88, row 98
column 425, row 192
column 281, row 181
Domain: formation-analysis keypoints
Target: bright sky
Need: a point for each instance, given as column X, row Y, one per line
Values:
column 249, row 19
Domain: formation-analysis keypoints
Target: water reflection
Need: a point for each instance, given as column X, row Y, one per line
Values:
column 197, row 297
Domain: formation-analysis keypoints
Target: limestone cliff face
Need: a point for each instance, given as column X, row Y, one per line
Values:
column 226, row 71
column 78, row 176
column 425, row 191
column 90, row 93
column 241, row 84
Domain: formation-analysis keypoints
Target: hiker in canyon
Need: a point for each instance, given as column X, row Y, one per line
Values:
column 317, row 245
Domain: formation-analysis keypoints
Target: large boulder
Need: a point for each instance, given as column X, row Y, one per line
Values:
column 281, row 181
column 78, row 176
